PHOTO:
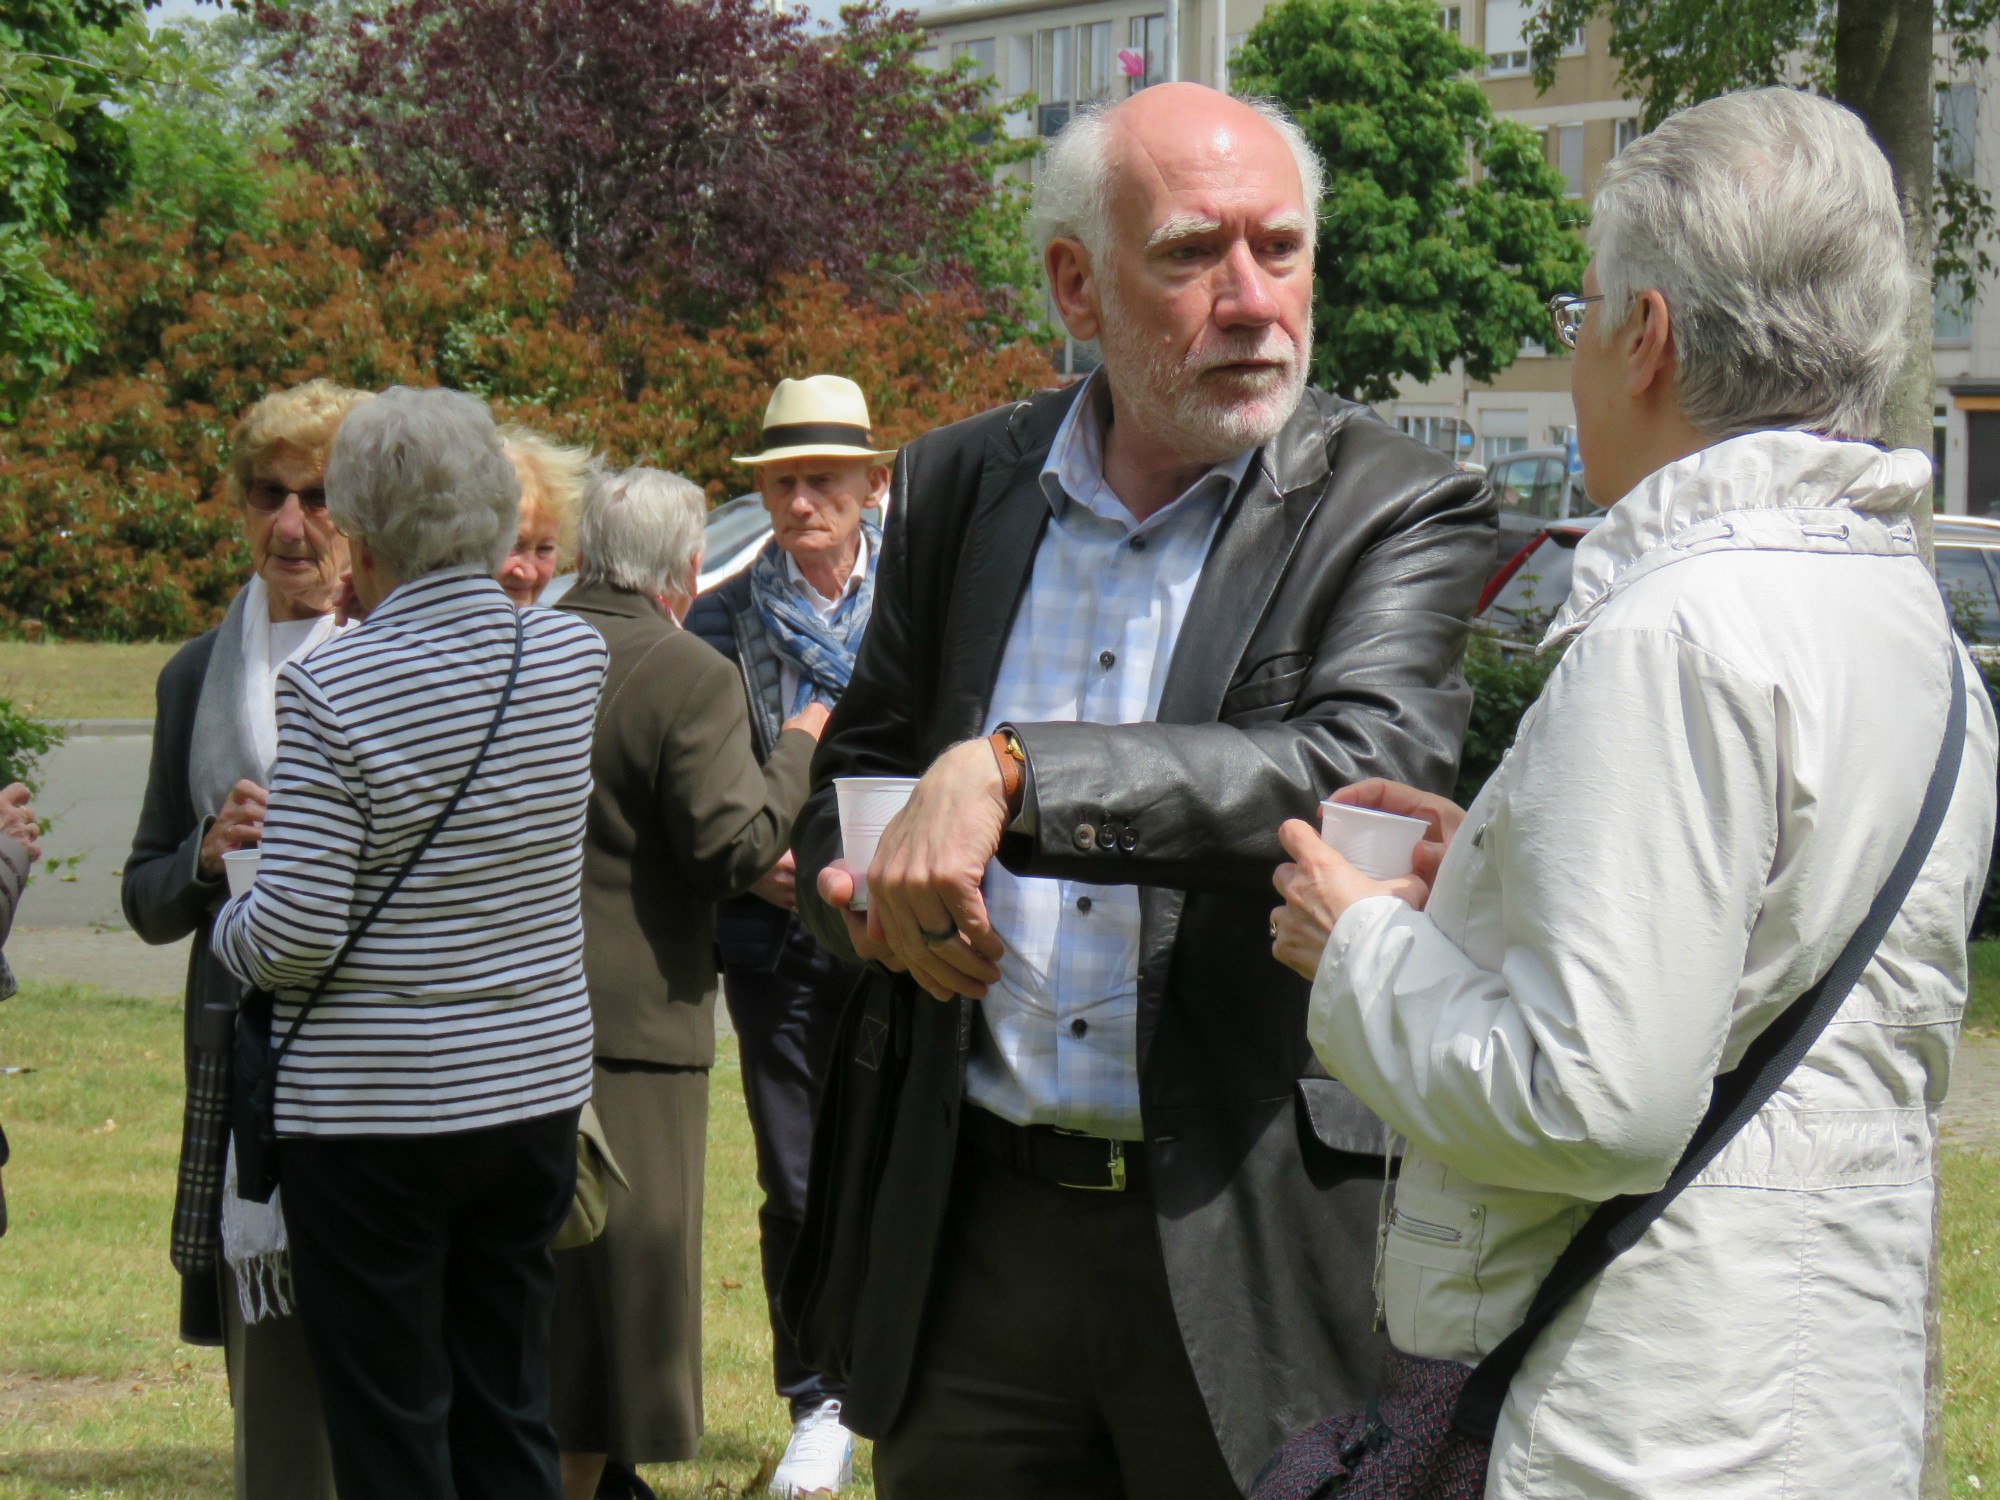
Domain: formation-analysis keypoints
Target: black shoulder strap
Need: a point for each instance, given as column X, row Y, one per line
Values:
column 1616, row 1225
column 396, row 882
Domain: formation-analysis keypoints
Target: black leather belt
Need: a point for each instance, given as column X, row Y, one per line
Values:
column 1092, row 1163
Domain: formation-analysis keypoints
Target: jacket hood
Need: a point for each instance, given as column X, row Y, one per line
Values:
column 1763, row 489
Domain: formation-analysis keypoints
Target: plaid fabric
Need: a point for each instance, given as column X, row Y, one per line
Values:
column 1403, row 1447
column 197, row 1229
column 1090, row 643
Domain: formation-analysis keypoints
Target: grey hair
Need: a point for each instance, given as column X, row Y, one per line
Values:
column 422, row 479
column 639, row 530
column 1073, row 178
column 1768, row 221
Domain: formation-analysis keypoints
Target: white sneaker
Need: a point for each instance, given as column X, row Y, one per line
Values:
column 820, row 1457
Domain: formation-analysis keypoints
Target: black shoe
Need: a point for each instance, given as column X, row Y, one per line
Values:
column 622, row 1482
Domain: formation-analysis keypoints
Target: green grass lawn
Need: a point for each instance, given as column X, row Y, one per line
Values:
column 96, row 1396
column 98, row 1399
column 1982, row 1006
column 82, row 680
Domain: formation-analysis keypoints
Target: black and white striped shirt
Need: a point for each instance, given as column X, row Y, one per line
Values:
column 464, row 1005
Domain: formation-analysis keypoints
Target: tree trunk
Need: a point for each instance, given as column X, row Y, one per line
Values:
column 1882, row 71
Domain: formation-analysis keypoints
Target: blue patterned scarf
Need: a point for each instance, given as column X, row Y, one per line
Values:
column 821, row 650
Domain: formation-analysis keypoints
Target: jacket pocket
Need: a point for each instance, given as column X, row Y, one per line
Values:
column 1270, row 694
column 1337, row 1120
column 1430, row 1273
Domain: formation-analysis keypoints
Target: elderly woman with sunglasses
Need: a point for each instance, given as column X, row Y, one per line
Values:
column 1707, row 805
column 215, row 737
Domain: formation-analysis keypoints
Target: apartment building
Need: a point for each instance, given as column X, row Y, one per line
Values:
column 1068, row 52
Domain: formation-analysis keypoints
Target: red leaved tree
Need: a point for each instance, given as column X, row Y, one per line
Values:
column 684, row 153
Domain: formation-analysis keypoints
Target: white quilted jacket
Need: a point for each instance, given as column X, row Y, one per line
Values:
column 1694, row 818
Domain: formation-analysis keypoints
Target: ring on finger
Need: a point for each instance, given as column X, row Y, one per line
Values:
column 1274, row 929
column 950, row 931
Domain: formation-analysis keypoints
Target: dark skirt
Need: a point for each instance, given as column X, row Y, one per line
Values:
column 628, row 1307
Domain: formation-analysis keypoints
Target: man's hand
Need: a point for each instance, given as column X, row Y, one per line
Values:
column 1318, row 887
column 240, row 825
column 779, row 884
column 836, row 889
column 18, row 822
column 812, row 719
column 1441, row 813
column 924, row 896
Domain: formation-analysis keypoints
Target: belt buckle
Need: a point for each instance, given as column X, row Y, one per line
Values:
column 1116, row 1166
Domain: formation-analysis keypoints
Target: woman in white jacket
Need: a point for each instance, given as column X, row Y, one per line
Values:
column 1691, row 824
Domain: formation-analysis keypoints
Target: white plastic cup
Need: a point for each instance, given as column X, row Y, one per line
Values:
column 867, row 803
column 1380, row 845
column 240, row 865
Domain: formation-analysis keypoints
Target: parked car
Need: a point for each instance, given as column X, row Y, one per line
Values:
column 1534, row 489
column 1532, row 583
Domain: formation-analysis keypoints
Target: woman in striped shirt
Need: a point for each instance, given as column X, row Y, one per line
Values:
column 427, row 1108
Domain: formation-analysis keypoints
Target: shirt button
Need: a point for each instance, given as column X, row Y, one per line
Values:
column 1107, row 659
column 1083, row 903
column 1138, row 544
column 1078, row 1027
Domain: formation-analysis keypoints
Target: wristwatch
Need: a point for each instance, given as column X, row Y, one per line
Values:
column 1013, row 768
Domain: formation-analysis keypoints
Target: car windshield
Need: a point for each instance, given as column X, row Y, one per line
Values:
column 733, row 524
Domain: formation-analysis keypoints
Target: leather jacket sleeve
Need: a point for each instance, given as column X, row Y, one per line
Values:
column 1197, row 806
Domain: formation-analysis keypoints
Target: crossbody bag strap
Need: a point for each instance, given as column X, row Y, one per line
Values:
column 1616, row 1224
column 396, row 882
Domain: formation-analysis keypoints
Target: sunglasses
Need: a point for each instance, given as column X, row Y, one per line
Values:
column 269, row 496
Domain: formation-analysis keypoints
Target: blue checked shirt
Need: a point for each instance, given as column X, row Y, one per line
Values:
column 1058, row 1038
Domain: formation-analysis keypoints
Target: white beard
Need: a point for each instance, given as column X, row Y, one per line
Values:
column 1168, row 400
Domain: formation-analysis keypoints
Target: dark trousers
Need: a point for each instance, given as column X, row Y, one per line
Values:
column 784, row 1022
column 425, row 1284
column 1051, row 1364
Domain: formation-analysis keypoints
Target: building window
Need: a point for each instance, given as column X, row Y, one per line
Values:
column 1451, row 18
column 1569, row 157
column 1940, row 420
column 1451, row 436
column 1627, row 132
column 1506, row 37
column 1501, row 432
column 1957, row 127
column 926, row 56
column 1145, row 61
column 1094, row 61
column 985, row 55
column 1072, row 66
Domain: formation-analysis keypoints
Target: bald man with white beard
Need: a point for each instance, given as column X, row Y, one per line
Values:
column 1119, row 1237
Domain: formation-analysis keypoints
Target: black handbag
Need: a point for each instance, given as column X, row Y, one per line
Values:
column 1428, row 1432
column 253, row 1125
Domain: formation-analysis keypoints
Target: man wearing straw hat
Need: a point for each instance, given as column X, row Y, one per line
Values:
column 792, row 622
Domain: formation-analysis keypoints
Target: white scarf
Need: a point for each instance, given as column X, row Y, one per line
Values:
column 236, row 739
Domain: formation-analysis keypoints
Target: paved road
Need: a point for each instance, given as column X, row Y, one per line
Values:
column 92, row 786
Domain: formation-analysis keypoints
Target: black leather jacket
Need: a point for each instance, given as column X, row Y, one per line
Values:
column 1322, row 647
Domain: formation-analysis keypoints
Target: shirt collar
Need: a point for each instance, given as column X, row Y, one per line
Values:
column 1074, row 470
column 855, row 574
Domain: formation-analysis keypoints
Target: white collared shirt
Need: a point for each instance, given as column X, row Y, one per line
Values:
column 788, row 675
column 1057, row 1042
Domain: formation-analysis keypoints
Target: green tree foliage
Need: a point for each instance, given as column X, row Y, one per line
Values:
column 65, row 159
column 1678, row 52
column 1443, row 230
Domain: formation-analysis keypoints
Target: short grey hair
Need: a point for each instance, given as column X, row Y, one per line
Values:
column 1073, row 178
column 1768, row 221
column 420, row 476
column 639, row 530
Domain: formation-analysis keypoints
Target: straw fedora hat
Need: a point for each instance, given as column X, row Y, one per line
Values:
column 821, row 416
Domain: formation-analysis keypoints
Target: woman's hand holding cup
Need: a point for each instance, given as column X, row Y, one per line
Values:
column 1319, row 885
column 1441, row 813
column 239, row 825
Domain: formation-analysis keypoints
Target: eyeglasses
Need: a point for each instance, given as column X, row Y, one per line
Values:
column 1566, row 312
column 270, row 496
